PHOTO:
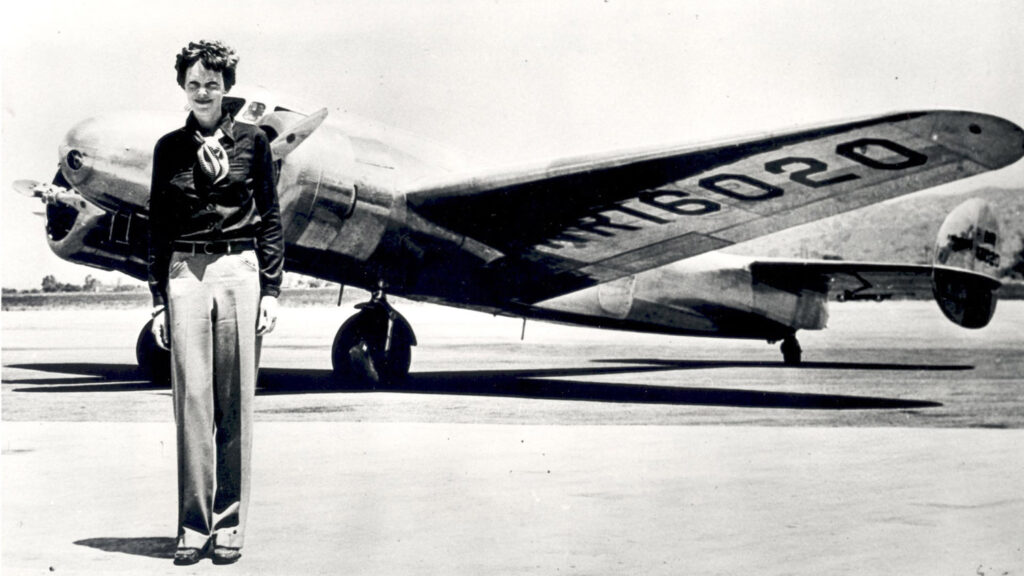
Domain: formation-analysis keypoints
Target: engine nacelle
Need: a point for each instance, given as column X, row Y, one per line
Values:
column 711, row 294
column 968, row 240
column 79, row 231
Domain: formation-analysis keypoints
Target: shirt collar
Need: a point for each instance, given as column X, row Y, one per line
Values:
column 226, row 125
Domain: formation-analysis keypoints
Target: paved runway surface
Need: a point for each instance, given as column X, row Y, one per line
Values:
column 574, row 451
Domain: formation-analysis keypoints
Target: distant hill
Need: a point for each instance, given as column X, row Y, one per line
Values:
column 901, row 230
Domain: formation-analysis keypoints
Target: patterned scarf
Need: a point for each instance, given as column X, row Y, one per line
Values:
column 213, row 160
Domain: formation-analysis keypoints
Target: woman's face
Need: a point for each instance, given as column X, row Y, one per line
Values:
column 204, row 90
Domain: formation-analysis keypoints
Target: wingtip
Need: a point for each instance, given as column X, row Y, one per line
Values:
column 992, row 141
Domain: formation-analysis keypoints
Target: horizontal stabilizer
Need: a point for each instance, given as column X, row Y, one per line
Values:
column 966, row 297
column 844, row 281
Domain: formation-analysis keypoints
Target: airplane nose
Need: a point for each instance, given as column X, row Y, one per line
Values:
column 108, row 159
column 78, row 150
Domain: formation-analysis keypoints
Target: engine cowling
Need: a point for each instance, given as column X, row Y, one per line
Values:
column 79, row 231
column 968, row 240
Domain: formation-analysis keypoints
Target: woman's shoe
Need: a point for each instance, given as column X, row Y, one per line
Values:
column 225, row 555
column 187, row 556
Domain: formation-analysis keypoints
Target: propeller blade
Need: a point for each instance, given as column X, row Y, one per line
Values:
column 290, row 139
column 30, row 188
column 57, row 191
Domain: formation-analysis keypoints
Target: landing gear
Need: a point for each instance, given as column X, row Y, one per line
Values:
column 790, row 350
column 374, row 346
column 154, row 361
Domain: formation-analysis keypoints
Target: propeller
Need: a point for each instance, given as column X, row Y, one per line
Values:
column 30, row 188
column 291, row 138
column 50, row 193
column 36, row 189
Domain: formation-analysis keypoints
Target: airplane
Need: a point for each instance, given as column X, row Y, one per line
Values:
column 625, row 240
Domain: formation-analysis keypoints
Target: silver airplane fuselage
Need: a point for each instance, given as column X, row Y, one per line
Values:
column 346, row 220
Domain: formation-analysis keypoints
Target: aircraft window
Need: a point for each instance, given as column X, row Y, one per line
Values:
column 254, row 111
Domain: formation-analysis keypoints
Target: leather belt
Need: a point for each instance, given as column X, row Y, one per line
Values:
column 214, row 246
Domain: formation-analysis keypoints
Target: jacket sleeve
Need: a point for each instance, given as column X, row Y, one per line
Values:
column 160, row 216
column 269, row 234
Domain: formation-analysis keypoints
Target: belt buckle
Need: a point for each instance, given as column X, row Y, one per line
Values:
column 206, row 248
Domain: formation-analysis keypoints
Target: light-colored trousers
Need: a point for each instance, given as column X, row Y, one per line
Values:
column 213, row 303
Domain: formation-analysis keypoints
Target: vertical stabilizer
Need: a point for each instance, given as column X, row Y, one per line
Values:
column 968, row 240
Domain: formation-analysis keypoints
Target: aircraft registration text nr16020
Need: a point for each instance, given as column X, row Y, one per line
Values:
column 859, row 159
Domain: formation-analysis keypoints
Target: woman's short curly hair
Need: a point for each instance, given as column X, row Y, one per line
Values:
column 215, row 55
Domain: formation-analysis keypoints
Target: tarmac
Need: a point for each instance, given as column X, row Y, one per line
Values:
column 894, row 449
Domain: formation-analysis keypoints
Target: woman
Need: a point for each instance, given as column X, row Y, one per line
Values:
column 215, row 268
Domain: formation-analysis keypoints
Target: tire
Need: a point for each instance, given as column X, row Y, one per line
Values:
column 154, row 361
column 358, row 354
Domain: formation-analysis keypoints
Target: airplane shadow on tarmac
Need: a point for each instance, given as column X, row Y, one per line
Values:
column 540, row 383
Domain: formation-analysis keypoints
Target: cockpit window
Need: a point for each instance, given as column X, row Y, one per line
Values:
column 253, row 112
column 250, row 112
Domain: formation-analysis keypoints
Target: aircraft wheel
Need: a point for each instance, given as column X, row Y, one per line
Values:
column 361, row 353
column 154, row 361
column 791, row 351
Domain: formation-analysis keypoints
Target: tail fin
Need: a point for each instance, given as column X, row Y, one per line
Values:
column 968, row 241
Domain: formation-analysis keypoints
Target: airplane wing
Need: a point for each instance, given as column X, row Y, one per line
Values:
column 860, row 280
column 583, row 221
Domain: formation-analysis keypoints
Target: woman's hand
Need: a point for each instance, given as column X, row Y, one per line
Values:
column 159, row 328
column 268, row 316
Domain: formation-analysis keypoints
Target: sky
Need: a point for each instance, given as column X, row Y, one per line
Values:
column 506, row 81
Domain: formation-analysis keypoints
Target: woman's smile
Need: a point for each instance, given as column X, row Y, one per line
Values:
column 204, row 89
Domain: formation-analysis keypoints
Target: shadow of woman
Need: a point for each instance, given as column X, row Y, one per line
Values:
column 153, row 547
